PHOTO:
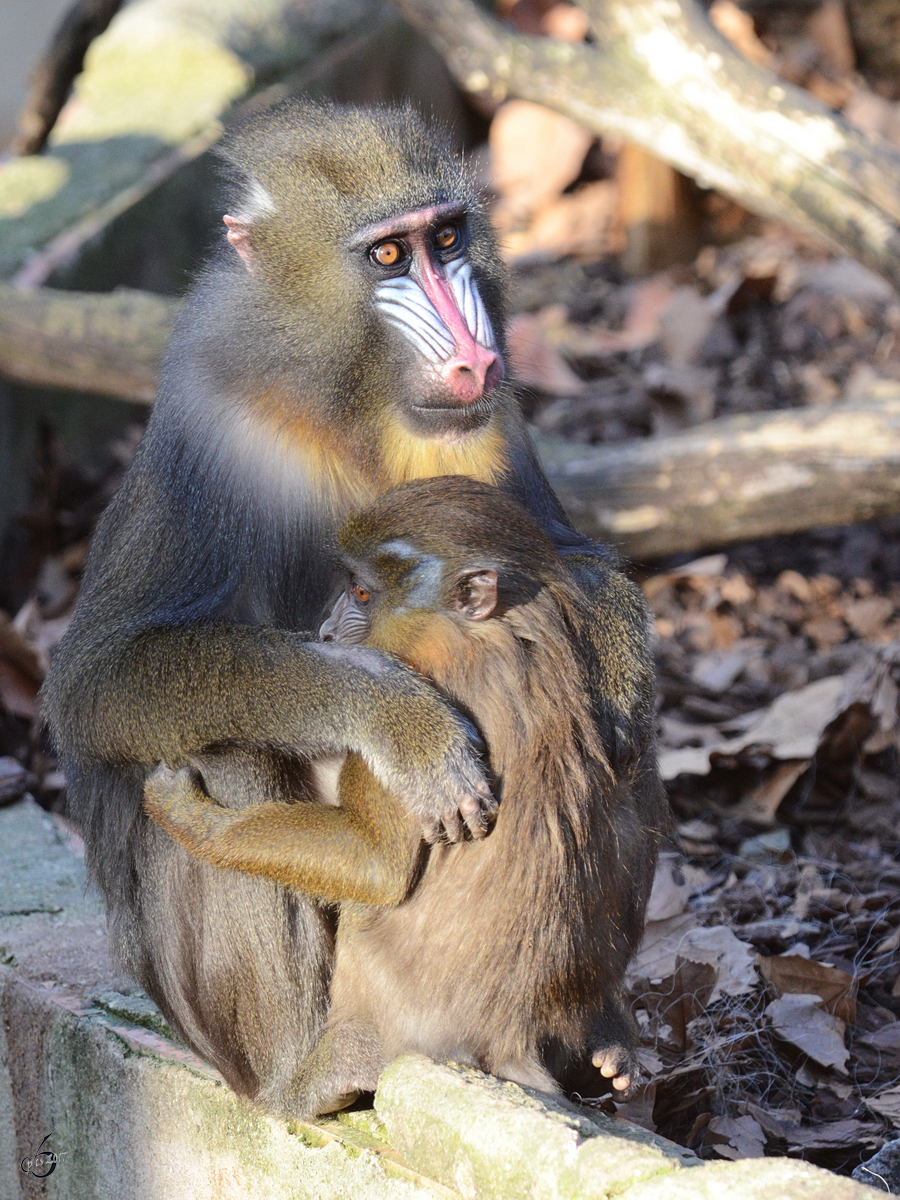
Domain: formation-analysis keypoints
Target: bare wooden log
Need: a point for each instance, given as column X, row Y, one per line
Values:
column 52, row 77
column 660, row 75
column 95, row 342
column 733, row 478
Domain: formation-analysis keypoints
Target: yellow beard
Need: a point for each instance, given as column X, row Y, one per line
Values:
column 347, row 477
column 406, row 456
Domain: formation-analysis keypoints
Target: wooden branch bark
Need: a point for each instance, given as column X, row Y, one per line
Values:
column 155, row 87
column 659, row 74
column 52, row 77
column 733, row 478
column 109, row 343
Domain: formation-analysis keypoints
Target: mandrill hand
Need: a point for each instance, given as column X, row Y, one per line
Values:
column 417, row 745
column 174, row 800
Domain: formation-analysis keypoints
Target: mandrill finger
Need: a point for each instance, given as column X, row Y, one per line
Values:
column 619, row 1064
column 163, row 777
column 164, row 788
column 431, row 831
column 478, row 812
column 454, row 830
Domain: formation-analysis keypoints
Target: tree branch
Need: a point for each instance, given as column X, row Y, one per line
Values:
column 660, row 75
column 94, row 342
column 52, row 77
column 727, row 480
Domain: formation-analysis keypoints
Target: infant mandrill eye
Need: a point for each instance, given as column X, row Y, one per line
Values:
column 388, row 254
column 446, row 238
column 361, row 594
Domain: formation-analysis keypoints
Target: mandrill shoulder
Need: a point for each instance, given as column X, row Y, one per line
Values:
column 619, row 658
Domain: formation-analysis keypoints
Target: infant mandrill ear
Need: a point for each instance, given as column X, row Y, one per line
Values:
column 239, row 236
column 476, row 594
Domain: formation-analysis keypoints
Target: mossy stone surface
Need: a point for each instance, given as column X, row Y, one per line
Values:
column 488, row 1138
column 753, row 1179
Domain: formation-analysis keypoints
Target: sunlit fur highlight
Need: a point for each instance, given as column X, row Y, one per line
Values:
column 279, row 443
column 283, row 444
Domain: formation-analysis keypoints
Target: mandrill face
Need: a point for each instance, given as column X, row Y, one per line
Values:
column 426, row 291
column 372, row 268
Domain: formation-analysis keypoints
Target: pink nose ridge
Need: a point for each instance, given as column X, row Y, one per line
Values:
column 473, row 374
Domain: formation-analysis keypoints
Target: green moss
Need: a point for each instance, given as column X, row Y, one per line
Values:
column 27, row 181
column 364, row 1121
column 137, row 1008
column 166, row 82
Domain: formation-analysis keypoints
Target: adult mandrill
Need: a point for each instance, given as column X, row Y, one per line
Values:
column 507, row 953
column 346, row 338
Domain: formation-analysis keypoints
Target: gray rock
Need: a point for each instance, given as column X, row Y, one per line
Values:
column 882, row 1170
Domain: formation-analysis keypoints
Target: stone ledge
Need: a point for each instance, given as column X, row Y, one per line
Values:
column 486, row 1138
column 135, row 1116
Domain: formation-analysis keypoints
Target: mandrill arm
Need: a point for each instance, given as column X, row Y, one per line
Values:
column 621, row 666
column 365, row 851
column 167, row 695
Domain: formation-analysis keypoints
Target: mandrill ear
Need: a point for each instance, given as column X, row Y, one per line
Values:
column 256, row 205
column 239, row 230
column 475, row 594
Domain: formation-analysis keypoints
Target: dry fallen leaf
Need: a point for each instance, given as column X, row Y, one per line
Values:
column 647, row 300
column 658, row 952
column 689, row 760
column 580, row 223
column 535, row 155
column 535, row 362
column 794, row 974
column 717, row 670
column 734, row 961
column 735, row 1137
column 684, row 996
column 670, row 892
column 665, row 942
column 887, row 1104
column 833, row 1135
column 760, row 807
column 795, row 723
column 886, row 1039
column 798, row 1019
column 868, row 617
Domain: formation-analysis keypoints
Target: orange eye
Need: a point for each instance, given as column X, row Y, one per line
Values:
column 446, row 238
column 361, row 594
column 388, row 254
